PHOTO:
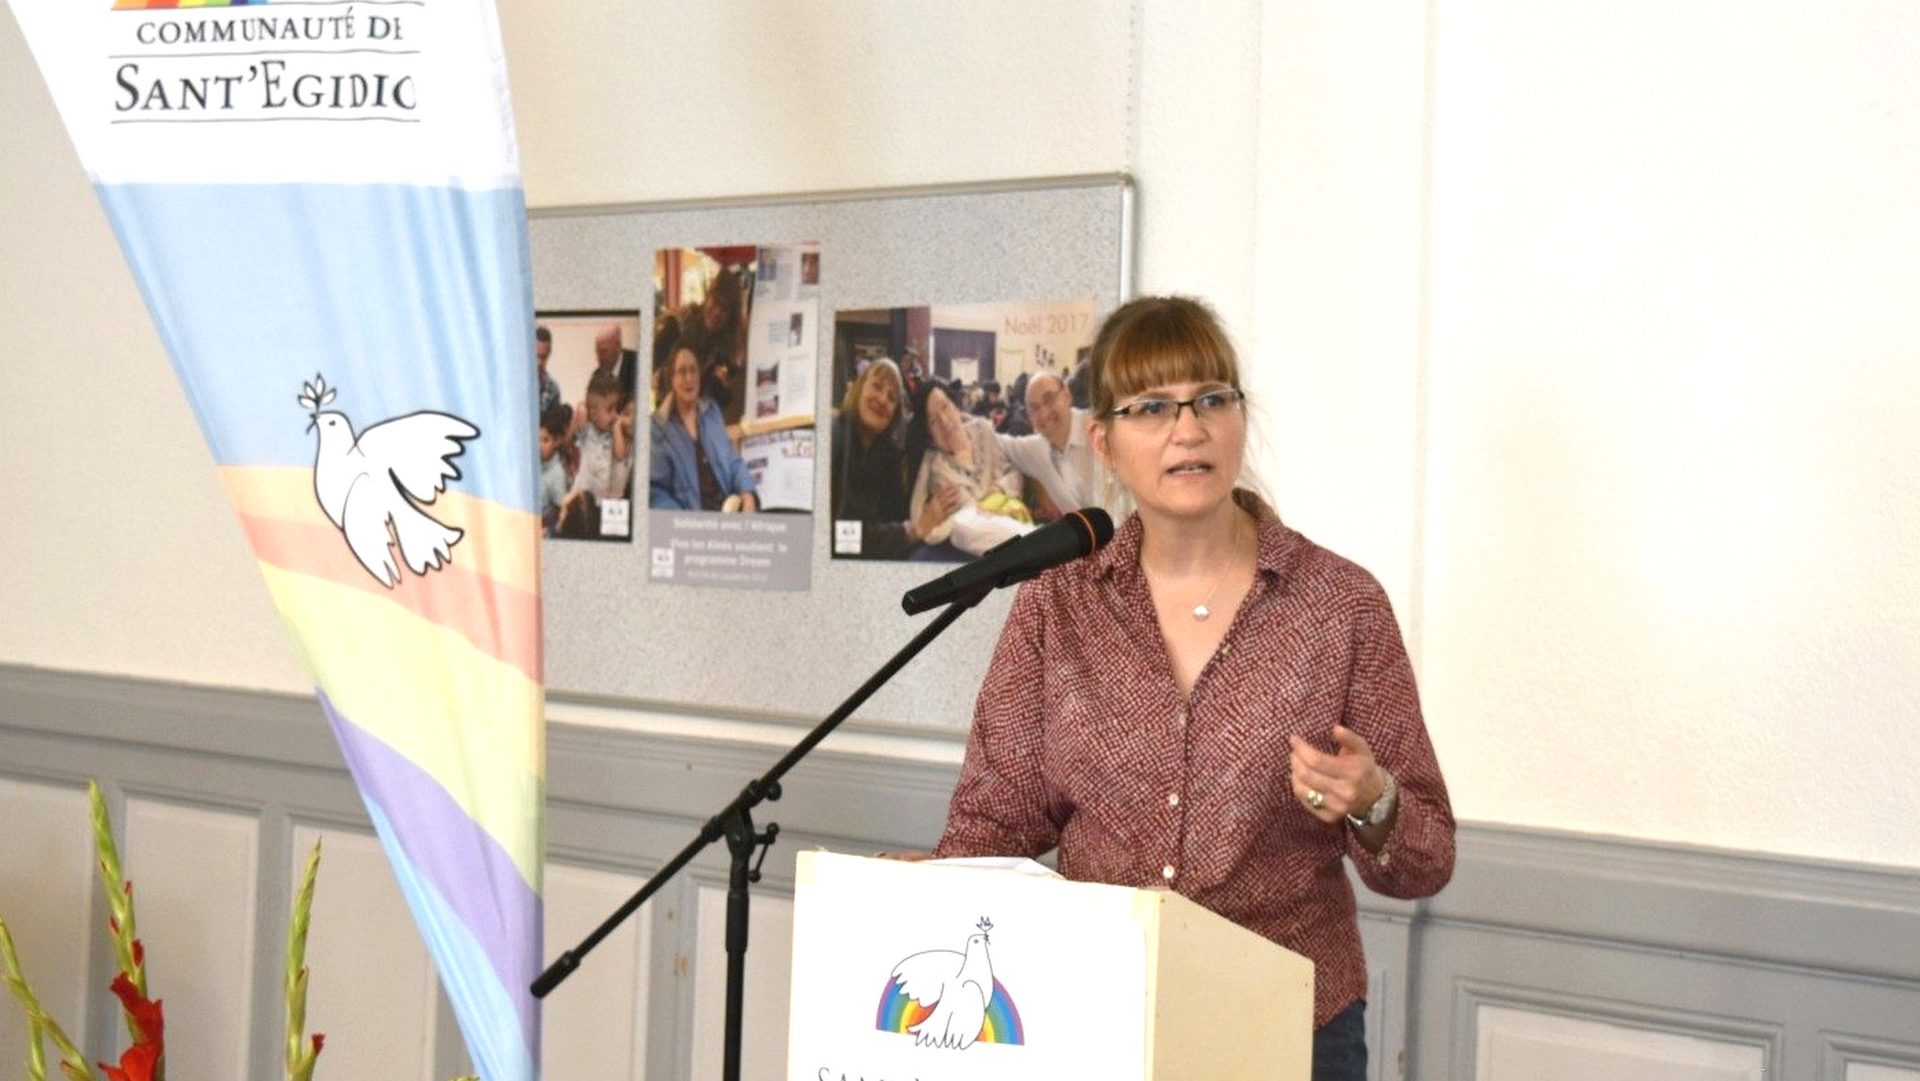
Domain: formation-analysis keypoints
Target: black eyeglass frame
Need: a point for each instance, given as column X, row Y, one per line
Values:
column 1132, row 410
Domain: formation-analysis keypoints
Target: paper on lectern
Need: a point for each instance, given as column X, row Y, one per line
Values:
column 1020, row 865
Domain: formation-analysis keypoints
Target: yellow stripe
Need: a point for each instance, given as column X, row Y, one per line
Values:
column 468, row 720
column 501, row 543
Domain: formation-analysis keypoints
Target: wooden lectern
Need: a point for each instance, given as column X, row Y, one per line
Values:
column 954, row 970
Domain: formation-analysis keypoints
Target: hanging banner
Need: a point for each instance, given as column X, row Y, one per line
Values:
column 321, row 204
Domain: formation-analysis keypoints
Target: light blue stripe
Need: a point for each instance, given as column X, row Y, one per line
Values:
column 487, row 1014
column 406, row 298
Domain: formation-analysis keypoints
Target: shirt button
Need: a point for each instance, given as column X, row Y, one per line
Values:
column 1167, row 872
column 1226, row 648
column 1386, row 858
column 1173, row 799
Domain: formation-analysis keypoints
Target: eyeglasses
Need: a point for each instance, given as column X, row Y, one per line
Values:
column 1156, row 413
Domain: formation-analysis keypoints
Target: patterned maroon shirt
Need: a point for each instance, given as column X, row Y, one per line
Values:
column 1081, row 740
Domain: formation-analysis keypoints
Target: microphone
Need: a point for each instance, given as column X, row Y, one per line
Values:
column 1076, row 534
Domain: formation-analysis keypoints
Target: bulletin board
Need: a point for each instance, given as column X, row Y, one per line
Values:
column 612, row 633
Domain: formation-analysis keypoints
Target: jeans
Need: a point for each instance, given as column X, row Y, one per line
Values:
column 1340, row 1046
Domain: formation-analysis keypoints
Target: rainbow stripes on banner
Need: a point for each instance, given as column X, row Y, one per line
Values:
column 144, row 5
column 364, row 379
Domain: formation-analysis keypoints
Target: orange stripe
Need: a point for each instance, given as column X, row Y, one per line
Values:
column 500, row 620
column 510, row 554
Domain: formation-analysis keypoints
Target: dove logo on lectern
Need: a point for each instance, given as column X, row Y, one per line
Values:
column 946, row 999
column 372, row 485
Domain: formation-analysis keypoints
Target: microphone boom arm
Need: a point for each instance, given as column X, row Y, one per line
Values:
column 735, row 824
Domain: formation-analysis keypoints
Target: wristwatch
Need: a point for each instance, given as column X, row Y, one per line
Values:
column 1382, row 808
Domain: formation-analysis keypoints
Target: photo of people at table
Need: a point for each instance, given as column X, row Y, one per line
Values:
column 586, row 368
column 731, row 403
column 955, row 427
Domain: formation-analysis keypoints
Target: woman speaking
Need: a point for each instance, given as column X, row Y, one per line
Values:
column 1212, row 703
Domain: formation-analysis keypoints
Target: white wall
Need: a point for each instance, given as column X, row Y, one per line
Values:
column 1589, row 329
column 120, row 552
column 1672, row 470
column 630, row 101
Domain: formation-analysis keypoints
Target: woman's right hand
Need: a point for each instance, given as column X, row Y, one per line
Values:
column 938, row 509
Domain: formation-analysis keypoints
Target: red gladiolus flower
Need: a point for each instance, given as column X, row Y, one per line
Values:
column 142, row 1060
column 148, row 1023
column 138, row 1064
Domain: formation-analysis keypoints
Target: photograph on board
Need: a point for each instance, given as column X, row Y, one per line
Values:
column 955, row 427
column 731, row 429
column 588, row 368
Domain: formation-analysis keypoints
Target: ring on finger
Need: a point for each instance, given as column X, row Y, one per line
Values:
column 1315, row 800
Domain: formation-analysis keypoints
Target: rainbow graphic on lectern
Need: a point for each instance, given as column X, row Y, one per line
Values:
column 899, row 1013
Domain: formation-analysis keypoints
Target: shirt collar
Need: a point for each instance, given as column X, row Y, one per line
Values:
column 1275, row 545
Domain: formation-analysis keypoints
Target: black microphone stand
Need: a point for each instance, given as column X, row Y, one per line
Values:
column 735, row 823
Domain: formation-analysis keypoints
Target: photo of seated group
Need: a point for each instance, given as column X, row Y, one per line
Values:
column 957, row 427
column 587, row 371
column 731, row 426
column 735, row 349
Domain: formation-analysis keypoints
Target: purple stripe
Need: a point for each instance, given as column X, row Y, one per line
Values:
column 469, row 869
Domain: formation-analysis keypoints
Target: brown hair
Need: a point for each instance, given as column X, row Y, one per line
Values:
column 602, row 383
column 1153, row 341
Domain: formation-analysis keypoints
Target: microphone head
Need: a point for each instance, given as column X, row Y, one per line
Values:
column 1077, row 534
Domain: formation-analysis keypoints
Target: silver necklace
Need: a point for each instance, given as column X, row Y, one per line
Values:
column 1202, row 610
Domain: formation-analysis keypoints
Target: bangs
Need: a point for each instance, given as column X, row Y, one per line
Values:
column 883, row 370
column 1158, row 341
column 879, row 368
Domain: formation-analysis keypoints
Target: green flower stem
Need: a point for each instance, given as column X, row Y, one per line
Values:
column 301, row 1053
column 119, row 895
column 36, row 1054
column 73, row 1063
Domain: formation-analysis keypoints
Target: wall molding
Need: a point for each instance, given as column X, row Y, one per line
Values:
column 1838, row 1050
column 1470, row 995
column 1817, row 963
column 1795, row 912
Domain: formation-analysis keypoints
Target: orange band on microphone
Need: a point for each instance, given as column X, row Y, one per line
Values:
column 1093, row 537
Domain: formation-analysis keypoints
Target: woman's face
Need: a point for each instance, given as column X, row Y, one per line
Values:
column 879, row 400
column 686, row 379
column 943, row 423
column 1183, row 468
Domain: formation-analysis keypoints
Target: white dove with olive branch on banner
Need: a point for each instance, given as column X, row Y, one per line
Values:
column 372, row 485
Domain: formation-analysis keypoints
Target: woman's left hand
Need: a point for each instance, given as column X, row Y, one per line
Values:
column 1332, row 786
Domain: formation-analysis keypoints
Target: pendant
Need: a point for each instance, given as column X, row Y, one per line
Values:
column 1201, row 611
